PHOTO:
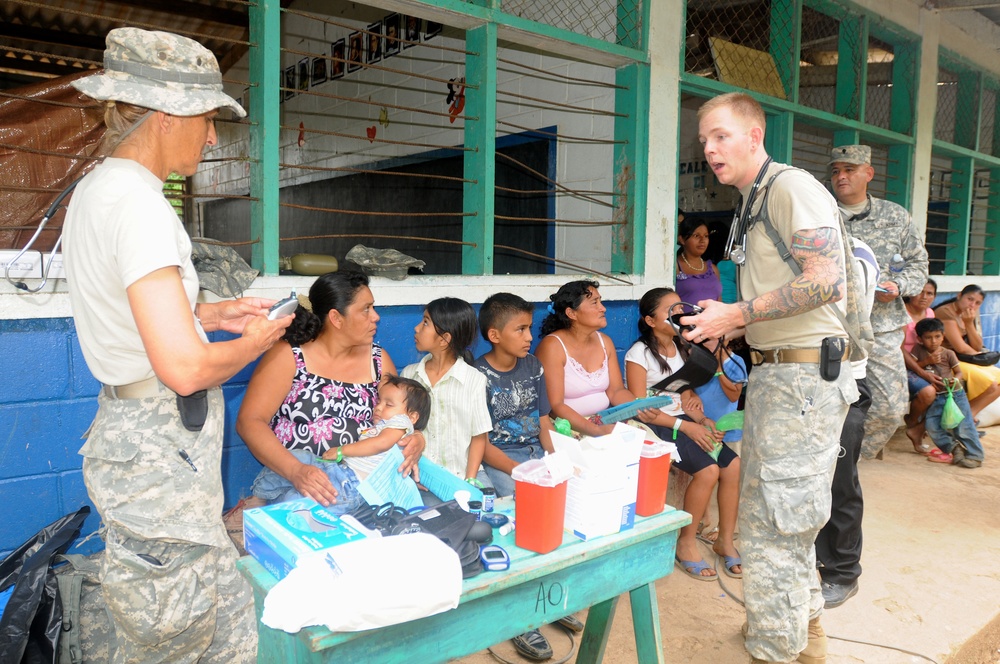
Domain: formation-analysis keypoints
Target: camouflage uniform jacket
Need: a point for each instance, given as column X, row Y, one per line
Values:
column 888, row 230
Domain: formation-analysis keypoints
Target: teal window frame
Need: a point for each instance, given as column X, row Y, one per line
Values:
column 485, row 24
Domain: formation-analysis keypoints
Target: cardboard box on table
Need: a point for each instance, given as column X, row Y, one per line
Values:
column 600, row 498
column 281, row 535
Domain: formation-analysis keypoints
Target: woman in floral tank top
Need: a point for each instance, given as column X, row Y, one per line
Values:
column 316, row 390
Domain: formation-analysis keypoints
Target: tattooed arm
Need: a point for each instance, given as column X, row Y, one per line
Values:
column 818, row 252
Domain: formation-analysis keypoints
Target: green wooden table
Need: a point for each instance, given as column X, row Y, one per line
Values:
column 495, row 606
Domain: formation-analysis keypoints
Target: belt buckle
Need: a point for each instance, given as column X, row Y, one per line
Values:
column 756, row 357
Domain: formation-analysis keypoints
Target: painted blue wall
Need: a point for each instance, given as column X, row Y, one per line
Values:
column 48, row 398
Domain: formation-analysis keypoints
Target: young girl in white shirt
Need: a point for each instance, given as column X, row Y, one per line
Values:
column 652, row 358
column 457, row 430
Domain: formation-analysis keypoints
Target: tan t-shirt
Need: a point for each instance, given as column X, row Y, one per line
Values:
column 798, row 202
column 118, row 229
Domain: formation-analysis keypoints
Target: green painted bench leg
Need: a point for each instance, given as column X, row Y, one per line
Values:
column 595, row 634
column 646, row 623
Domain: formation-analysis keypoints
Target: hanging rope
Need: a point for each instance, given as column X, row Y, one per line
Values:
column 551, row 181
column 345, row 169
column 557, row 261
column 585, row 81
column 47, row 153
column 377, row 140
column 384, row 237
column 550, row 192
column 371, row 213
column 564, row 137
column 568, row 222
column 571, row 107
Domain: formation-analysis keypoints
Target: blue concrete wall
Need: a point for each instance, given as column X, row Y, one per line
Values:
column 48, row 398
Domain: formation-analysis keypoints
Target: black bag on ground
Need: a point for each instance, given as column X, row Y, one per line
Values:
column 985, row 358
column 32, row 620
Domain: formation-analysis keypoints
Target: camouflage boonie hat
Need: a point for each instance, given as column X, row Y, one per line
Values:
column 851, row 154
column 161, row 71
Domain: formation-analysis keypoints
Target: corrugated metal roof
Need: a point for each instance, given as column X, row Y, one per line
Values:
column 48, row 38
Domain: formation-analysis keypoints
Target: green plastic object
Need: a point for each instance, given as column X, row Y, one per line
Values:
column 730, row 421
column 562, row 426
column 715, row 451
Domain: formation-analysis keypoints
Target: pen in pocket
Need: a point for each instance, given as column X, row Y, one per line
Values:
column 184, row 455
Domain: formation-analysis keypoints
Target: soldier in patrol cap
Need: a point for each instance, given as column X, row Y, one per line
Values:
column 152, row 457
column 888, row 229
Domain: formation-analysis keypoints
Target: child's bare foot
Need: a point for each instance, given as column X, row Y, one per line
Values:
column 916, row 436
column 709, row 536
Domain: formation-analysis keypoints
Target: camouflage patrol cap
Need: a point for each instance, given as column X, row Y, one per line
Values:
column 161, row 71
column 851, row 154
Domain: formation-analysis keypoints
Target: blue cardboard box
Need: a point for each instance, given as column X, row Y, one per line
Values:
column 280, row 535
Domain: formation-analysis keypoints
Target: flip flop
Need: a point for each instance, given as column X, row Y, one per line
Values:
column 694, row 569
column 937, row 456
column 708, row 537
column 729, row 562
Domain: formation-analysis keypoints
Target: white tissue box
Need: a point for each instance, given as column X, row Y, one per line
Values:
column 281, row 535
column 600, row 498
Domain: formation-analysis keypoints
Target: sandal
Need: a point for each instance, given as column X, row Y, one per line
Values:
column 729, row 563
column 694, row 568
column 937, row 456
column 533, row 646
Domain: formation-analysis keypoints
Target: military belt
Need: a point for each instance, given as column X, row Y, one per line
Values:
column 142, row 389
column 788, row 356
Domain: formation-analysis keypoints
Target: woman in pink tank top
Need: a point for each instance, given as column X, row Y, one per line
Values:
column 582, row 374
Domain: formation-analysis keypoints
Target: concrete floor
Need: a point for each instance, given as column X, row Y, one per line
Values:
column 931, row 580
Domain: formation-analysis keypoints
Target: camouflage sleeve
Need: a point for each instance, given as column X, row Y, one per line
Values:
column 914, row 275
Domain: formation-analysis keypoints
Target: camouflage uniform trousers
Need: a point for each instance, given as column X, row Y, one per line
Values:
column 788, row 463
column 890, row 397
column 169, row 576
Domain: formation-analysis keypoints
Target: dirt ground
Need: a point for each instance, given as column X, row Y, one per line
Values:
column 929, row 591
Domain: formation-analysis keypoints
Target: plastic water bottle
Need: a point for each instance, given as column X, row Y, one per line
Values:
column 896, row 264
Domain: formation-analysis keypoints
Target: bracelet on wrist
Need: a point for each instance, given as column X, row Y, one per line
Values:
column 677, row 426
column 474, row 482
column 340, row 454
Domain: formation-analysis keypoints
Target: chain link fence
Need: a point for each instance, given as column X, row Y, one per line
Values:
column 987, row 122
column 882, row 65
column 947, row 101
column 743, row 44
column 818, row 72
column 610, row 21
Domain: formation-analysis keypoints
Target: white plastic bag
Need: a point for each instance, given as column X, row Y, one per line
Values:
column 366, row 584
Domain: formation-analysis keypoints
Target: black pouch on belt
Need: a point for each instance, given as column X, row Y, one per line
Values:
column 193, row 409
column 831, row 354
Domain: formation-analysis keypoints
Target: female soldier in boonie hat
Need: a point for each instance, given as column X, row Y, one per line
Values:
column 152, row 458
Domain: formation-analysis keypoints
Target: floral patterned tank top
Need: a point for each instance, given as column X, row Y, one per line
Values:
column 320, row 413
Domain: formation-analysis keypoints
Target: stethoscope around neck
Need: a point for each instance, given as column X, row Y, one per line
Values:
column 47, row 266
column 736, row 243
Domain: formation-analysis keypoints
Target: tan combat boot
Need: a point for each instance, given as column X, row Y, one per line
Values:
column 815, row 652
